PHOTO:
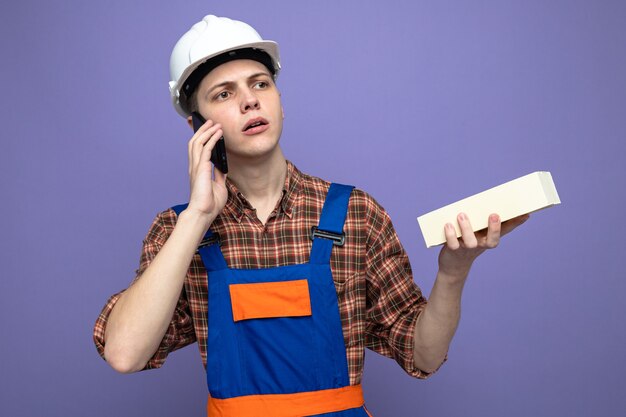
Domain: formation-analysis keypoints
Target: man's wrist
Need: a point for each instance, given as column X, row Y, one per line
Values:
column 453, row 279
column 196, row 219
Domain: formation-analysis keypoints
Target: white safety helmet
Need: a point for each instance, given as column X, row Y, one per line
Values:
column 214, row 37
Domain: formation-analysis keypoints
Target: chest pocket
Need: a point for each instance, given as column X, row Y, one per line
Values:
column 270, row 299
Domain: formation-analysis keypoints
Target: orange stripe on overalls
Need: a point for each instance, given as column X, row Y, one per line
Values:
column 288, row 405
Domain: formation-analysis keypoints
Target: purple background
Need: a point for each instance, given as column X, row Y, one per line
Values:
column 419, row 103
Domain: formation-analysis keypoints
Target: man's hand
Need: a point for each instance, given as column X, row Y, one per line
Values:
column 437, row 324
column 208, row 195
column 142, row 314
column 458, row 254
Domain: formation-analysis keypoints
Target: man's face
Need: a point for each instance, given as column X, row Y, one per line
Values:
column 242, row 97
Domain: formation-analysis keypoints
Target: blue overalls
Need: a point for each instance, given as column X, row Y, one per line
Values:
column 275, row 343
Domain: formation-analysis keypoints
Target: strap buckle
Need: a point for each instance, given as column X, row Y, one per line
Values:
column 337, row 238
column 214, row 239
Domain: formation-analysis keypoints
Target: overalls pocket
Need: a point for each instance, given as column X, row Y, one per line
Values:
column 273, row 322
column 270, row 299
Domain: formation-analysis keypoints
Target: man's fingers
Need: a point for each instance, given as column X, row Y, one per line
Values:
column 200, row 137
column 198, row 142
column 493, row 231
column 205, row 155
column 192, row 144
column 204, row 137
column 451, row 240
column 467, row 234
column 198, row 133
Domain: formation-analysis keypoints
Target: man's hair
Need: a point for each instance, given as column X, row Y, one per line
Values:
column 193, row 102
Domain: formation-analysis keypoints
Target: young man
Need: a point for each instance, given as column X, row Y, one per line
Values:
column 282, row 278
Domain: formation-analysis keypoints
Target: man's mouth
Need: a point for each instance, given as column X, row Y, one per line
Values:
column 255, row 124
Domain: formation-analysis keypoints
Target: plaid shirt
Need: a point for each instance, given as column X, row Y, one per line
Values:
column 378, row 300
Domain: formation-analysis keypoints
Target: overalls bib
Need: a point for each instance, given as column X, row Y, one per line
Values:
column 275, row 344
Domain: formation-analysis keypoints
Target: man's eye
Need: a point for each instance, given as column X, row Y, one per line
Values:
column 223, row 95
column 261, row 84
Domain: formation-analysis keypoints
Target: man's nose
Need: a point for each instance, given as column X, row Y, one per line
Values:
column 249, row 101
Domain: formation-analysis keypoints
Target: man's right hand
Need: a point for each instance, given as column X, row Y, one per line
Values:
column 208, row 195
column 141, row 317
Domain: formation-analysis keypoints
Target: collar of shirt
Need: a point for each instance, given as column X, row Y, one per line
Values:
column 237, row 205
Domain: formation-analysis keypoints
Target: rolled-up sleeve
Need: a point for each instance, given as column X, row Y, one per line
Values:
column 394, row 301
column 180, row 331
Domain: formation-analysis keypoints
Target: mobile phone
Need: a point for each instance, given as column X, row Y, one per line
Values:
column 218, row 154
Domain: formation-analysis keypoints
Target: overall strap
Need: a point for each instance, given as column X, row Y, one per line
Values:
column 329, row 232
column 179, row 208
column 209, row 248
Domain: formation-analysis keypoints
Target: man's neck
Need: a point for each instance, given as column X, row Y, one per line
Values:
column 261, row 181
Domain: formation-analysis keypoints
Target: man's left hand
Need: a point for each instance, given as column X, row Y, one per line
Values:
column 458, row 254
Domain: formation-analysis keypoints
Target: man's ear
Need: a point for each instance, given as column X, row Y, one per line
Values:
column 190, row 122
column 282, row 110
